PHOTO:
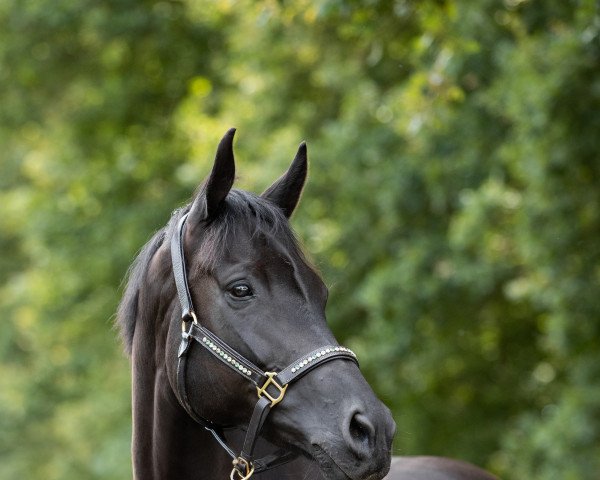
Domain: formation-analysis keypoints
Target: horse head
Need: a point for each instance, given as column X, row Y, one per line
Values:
column 255, row 291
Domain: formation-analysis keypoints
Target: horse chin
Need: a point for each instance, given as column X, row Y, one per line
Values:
column 329, row 467
column 333, row 471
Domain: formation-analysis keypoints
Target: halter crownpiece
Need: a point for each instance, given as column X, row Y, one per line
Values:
column 270, row 386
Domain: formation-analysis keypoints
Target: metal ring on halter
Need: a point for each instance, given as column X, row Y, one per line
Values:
column 249, row 467
column 184, row 323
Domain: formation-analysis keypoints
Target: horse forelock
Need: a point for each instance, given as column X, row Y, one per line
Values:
column 244, row 214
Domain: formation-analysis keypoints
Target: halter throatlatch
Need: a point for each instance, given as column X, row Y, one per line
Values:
column 270, row 386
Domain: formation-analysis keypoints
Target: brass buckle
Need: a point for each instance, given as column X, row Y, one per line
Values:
column 240, row 462
column 271, row 381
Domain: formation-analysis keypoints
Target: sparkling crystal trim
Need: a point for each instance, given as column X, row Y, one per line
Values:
column 320, row 354
column 225, row 356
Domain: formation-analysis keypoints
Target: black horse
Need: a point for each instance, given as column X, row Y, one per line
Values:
column 261, row 306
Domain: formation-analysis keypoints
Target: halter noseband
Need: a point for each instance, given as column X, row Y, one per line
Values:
column 270, row 386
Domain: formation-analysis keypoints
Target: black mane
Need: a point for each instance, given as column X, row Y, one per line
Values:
column 240, row 210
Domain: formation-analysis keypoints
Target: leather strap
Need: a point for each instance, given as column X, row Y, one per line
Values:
column 226, row 354
column 275, row 459
column 179, row 270
column 259, row 415
column 312, row 360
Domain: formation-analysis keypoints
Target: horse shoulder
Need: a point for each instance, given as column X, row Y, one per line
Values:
column 435, row 468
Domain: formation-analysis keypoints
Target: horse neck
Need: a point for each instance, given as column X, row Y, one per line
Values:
column 166, row 442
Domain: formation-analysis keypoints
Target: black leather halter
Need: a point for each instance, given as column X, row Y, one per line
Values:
column 270, row 386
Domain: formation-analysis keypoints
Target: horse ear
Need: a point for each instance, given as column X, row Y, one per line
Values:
column 285, row 192
column 217, row 186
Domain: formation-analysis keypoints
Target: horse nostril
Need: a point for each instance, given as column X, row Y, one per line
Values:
column 361, row 432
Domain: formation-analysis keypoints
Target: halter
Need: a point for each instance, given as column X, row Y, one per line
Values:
column 270, row 386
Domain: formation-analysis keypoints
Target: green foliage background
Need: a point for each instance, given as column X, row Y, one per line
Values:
column 453, row 206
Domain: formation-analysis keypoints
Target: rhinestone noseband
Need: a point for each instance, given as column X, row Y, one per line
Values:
column 270, row 386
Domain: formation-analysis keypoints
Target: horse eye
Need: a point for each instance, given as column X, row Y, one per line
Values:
column 240, row 290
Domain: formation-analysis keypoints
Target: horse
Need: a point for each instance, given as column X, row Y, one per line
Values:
column 234, row 369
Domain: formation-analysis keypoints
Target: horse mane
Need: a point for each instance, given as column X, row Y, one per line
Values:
column 240, row 210
column 127, row 310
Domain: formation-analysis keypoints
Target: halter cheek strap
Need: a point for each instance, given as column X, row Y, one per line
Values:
column 270, row 386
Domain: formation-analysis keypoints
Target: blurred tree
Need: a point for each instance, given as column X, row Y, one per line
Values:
column 452, row 206
column 89, row 161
